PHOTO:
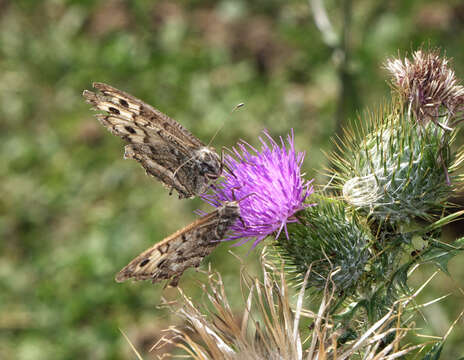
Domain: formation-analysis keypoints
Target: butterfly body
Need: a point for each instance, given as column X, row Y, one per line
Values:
column 186, row 248
column 166, row 150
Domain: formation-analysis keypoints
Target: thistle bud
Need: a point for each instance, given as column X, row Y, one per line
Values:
column 330, row 240
column 395, row 171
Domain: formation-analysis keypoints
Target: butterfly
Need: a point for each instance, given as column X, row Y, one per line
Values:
column 166, row 150
column 168, row 259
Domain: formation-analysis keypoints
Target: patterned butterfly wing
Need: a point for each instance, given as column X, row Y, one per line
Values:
column 172, row 129
column 161, row 145
column 186, row 248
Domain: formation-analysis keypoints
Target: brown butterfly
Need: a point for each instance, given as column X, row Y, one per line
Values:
column 165, row 148
column 186, row 248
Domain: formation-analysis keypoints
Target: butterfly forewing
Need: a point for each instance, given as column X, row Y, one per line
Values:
column 161, row 145
column 186, row 248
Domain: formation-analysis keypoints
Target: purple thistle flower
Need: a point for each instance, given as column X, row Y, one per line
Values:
column 268, row 185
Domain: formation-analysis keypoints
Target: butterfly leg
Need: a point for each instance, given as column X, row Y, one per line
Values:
column 243, row 222
column 223, row 165
column 244, row 197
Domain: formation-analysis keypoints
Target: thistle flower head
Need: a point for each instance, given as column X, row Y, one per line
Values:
column 428, row 87
column 268, row 184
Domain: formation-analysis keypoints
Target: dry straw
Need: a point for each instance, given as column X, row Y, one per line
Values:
column 275, row 324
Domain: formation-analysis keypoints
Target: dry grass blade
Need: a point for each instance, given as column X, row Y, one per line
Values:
column 271, row 325
column 131, row 345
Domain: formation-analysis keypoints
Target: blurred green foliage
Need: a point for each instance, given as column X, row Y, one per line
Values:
column 72, row 212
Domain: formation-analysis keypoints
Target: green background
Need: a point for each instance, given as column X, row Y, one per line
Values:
column 73, row 213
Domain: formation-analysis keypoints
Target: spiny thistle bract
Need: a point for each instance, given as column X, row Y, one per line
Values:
column 329, row 240
column 394, row 169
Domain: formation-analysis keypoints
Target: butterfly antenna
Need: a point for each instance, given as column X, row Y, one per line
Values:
column 215, row 134
column 238, row 106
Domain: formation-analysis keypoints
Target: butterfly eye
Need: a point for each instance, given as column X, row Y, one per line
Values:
column 206, row 168
column 144, row 262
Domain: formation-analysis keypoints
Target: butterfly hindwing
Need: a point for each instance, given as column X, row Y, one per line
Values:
column 186, row 248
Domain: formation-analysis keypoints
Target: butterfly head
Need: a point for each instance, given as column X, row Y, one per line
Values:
column 230, row 207
column 209, row 162
column 229, row 212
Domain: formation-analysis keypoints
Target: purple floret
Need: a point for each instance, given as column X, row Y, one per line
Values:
column 268, row 185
